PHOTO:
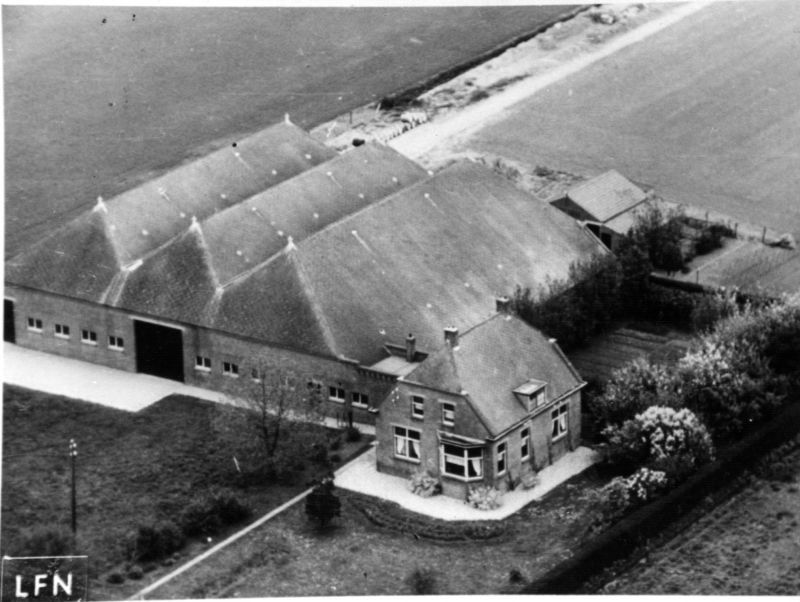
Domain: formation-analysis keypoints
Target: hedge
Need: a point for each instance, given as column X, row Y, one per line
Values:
column 631, row 532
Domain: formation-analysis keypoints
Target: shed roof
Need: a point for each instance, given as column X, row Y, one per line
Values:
column 606, row 196
column 493, row 359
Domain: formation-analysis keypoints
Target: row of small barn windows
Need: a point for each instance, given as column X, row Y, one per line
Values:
column 456, row 461
column 88, row 337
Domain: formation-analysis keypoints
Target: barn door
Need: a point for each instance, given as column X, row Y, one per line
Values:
column 9, row 329
column 159, row 350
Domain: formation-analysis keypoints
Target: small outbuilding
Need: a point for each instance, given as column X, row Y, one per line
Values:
column 607, row 206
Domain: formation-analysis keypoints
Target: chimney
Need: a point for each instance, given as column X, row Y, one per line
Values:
column 411, row 347
column 451, row 336
column 503, row 305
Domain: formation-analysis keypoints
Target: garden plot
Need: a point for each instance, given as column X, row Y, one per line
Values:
column 615, row 349
column 748, row 545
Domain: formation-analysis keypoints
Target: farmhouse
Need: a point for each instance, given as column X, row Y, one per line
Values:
column 489, row 406
column 606, row 204
column 276, row 252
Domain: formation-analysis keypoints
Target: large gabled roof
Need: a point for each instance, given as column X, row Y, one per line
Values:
column 248, row 234
column 435, row 254
column 82, row 258
column 490, row 361
column 606, row 196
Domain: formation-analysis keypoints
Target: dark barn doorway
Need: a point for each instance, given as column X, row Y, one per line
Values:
column 159, row 350
column 9, row 330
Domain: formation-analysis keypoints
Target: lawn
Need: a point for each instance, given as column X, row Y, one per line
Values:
column 131, row 469
column 286, row 557
column 749, row 545
column 704, row 111
column 99, row 98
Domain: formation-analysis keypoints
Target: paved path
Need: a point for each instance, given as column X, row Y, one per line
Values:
column 118, row 389
column 362, row 476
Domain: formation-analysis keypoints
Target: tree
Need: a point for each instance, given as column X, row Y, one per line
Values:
column 277, row 396
column 321, row 504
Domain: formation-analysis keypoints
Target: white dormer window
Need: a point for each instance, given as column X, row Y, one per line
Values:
column 533, row 394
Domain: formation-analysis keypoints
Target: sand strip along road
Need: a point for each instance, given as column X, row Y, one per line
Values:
column 423, row 141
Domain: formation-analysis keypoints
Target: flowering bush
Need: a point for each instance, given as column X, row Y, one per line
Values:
column 423, row 484
column 622, row 495
column 484, row 497
column 728, row 383
column 631, row 389
column 663, row 439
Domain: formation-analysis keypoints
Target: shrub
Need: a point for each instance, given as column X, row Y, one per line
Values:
column 335, row 458
column 352, row 434
column 336, row 444
column 319, row 454
column 621, row 495
column 422, row 581
column 663, row 439
column 727, row 384
column 153, row 542
column 423, row 484
column 710, row 309
column 207, row 515
column 630, row 390
column 484, row 497
column 115, row 578
column 515, row 576
column 45, row 541
column 135, row 572
column 322, row 505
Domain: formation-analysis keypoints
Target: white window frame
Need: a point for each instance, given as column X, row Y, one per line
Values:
column 35, row 324
column 61, row 331
column 230, row 369
column 502, row 454
column 254, row 375
column 466, row 459
column 417, row 407
column 116, row 343
column 525, row 444
column 359, row 400
column 404, row 447
column 202, row 363
column 559, row 417
column 448, row 413
column 88, row 337
column 337, row 394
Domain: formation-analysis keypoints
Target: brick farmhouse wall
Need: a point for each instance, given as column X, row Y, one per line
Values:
column 219, row 347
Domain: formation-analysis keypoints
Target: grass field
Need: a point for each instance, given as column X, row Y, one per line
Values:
column 705, row 111
column 749, row 545
column 132, row 468
column 98, row 99
column 285, row 557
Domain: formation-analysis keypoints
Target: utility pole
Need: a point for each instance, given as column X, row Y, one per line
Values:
column 73, row 452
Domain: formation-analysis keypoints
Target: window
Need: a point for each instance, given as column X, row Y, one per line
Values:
column 115, row 343
column 34, row 325
column 524, row 444
column 448, row 414
column 255, row 375
column 314, row 387
column 336, row 394
column 559, row 417
column 230, row 369
column 360, row 399
column 502, row 458
column 406, row 443
column 465, row 463
column 538, row 398
column 417, row 407
column 62, row 331
column 89, row 337
column 202, row 363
